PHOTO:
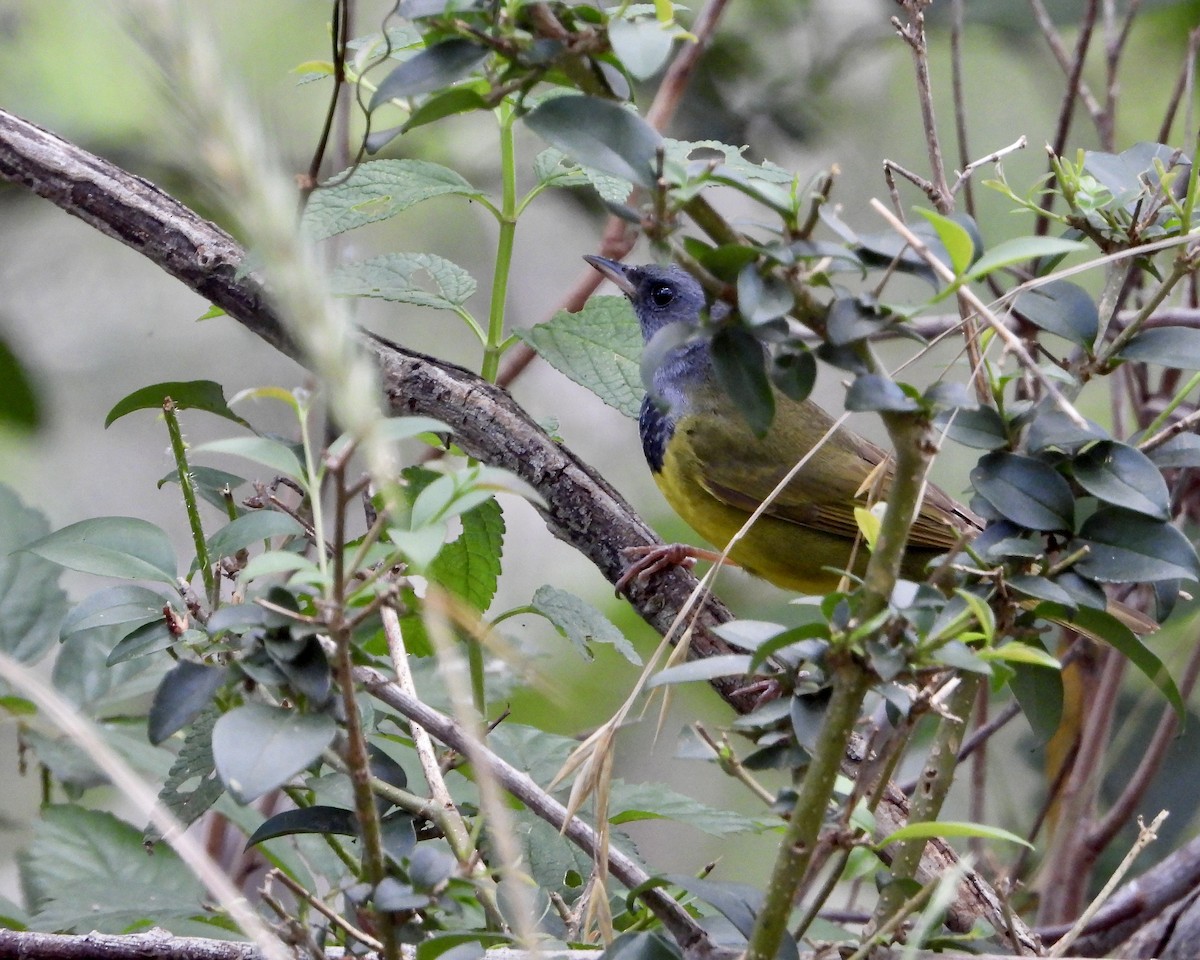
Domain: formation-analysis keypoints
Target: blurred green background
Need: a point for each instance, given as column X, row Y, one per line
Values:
column 805, row 84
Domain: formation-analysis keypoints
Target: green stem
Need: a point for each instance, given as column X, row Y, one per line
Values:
column 504, row 246
column 932, row 787
column 851, row 681
column 1157, row 423
column 179, row 451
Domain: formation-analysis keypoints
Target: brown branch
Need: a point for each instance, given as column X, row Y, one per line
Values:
column 25, row 945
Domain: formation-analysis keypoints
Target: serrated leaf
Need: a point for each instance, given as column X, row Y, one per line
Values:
column 430, row 69
column 314, row 819
column 599, row 134
column 740, row 367
column 376, row 191
column 709, row 668
column 600, row 348
column 1062, row 308
column 262, row 450
column 192, row 785
column 31, row 602
column 1021, row 250
column 1123, row 476
column 928, row 829
column 126, row 547
column 469, row 566
column 401, row 278
column 1175, row 347
column 185, row 394
column 1101, row 624
column 580, row 622
column 1029, row 492
column 250, row 528
column 873, row 392
column 186, row 691
column 87, row 870
column 258, row 748
column 1127, row 547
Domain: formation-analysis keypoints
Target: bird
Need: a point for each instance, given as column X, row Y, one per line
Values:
column 714, row 470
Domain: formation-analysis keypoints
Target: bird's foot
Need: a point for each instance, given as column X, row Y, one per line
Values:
column 649, row 560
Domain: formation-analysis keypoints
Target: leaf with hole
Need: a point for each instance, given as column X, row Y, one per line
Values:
column 580, row 622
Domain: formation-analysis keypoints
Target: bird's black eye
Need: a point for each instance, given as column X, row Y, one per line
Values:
column 662, row 295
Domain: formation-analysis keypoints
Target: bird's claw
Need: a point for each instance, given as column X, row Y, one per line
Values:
column 653, row 559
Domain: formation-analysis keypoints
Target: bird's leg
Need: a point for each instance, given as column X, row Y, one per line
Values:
column 649, row 560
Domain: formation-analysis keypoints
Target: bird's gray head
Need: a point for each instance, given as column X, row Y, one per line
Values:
column 660, row 295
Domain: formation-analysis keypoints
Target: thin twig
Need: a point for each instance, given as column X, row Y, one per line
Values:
column 326, row 911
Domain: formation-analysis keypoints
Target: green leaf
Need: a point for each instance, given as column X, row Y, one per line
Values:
column 741, row 371
column 186, row 691
column 150, row 638
column 192, row 785
column 599, row 347
column 725, row 665
column 850, row 320
column 314, row 819
column 448, row 103
column 124, row 547
column 401, row 278
column 739, row 903
column 1182, row 450
column 1175, row 347
column 580, row 622
column 1016, row 652
column 1127, row 547
column 376, row 191
column 873, row 392
column 1100, row 623
column 430, row 69
column 641, row 45
column 1125, row 477
column 982, row 428
column 1040, row 695
column 794, row 373
column 1028, row 492
column 31, row 602
column 599, row 134
column 469, row 566
column 959, row 236
column 929, row 829
column 1062, row 308
column 19, row 406
column 262, row 450
column 1021, row 250
column 1041, row 589
column 630, row 802
column 253, row 527
column 209, row 482
column 185, row 394
column 277, row 561
column 642, row 946
column 762, row 298
column 258, row 748
column 86, row 870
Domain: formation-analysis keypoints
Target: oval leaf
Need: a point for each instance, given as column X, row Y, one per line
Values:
column 258, row 748
column 1021, row 250
column 726, row 665
column 1026, row 491
column 270, row 453
column 185, row 394
column 124, row 547
column 1177, row 347
column 599, row 134
column 1125, row 477
column 251, row 528
column 741, row 370
column 641, row 45
column 186, row 690
column 929, row 829
column 1127, row 547
column 982, row 428
column 430, row 69
column 873, row 392
column 1062, row 308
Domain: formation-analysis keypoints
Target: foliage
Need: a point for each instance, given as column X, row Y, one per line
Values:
column 256, row 651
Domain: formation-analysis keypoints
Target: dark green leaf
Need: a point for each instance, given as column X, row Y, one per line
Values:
column 1182, row 450
column 741, row 370
column 250, row 528
column 461, row 99
column 31, row 602
column 86, row 870
column 1176, row 347
column 1125, row 477
column 124, row 547
column 209, row 482
column 739, row 903
column 19, row 406
column 431, row 865
column 794, row 374
column 808, row 717
column 1041, row 589
column 1051, row 428
column 392, row 895
column 399, row 835
column 1127, row 547
column 599, row 348
column 184, row 692
column 599, row 134
column 1062, row 308
column 580, row 622
column 376, row 191
column 258, row 748
column 850, row 320
column 1040, row 695
column 873, row 392
column 1029, row 492
column 302, row 661
column 1099, row 623
column 192, row 786
column 982, row 428
column 642, row 946
column 430, row 69
column 314, row 819
column 150, row 638
column 439, row 945
column 761, row 299
column 185, row 394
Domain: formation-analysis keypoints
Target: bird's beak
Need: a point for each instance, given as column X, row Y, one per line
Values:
column 618, row 273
